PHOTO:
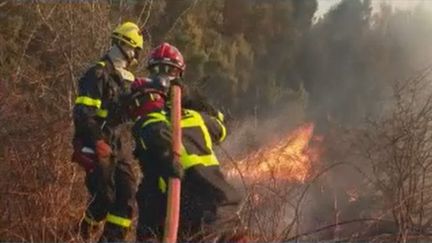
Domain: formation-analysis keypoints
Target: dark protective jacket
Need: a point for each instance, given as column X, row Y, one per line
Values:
column 101, row 92
column 200, row 132
column 204, row 189
column 153, row 140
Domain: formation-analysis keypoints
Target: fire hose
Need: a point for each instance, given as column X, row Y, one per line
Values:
column 174, row 184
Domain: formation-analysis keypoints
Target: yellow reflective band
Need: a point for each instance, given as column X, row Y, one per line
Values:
column 207, row 136
column 90, row 221
column 155, row 117
column 192, row 119
column 160, row 115
column 220, row 116
column 162, row 185
column 149, row 121
column 197, row 121
column 190, row 122
column 223, row 130
column 88, row 101
column 102, row 113
column 189, row 160
column 124, row 222
column 101, row 63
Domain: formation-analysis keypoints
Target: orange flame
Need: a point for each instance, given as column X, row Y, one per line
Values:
column 290, row 159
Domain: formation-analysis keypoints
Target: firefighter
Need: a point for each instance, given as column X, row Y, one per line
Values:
column 98, row 114
column 208, row 201
column 167, row 60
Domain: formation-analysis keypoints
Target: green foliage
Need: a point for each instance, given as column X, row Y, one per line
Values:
column 245, row 55
column 243, row 50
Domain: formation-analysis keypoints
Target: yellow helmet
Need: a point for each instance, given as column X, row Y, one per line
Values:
column 130, row 34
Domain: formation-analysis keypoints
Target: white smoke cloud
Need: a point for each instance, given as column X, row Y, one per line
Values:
column 326, row 5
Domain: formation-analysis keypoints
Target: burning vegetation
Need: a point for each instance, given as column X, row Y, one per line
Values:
column 290, row 158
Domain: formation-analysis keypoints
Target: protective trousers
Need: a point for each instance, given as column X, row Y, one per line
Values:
column 151, row 209
column 208, row 206
column 112, row 187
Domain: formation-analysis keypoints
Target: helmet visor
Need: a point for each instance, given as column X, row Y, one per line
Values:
column 165, row 69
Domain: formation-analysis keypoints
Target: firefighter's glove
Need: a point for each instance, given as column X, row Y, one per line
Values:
column 85, row 157
column 176, row 170
column 103, row 150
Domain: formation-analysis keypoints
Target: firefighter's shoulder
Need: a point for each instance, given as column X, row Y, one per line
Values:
column 96, row 70
column 99, row 69
column 153, row 118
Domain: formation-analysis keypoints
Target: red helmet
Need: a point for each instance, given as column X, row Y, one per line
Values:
column 166, row 54
column 146, row 97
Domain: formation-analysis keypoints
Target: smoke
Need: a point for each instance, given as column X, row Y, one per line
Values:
column 353, row 57
column 339, row 70
column 249, row 134
column 349, row 63
column 341, row 67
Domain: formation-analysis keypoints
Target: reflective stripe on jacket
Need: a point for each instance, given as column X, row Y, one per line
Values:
column 190, row 119
column 91, row 96
column 199, row 131
column 99, row 92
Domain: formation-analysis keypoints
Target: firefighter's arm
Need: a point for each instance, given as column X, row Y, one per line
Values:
column 156, row 139
column 195, row 100
column 216, row 127
column 88, row 104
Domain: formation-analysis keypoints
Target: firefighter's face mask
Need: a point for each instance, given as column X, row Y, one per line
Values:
column 135, row 57
column 132, row 55
column 165, row 69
